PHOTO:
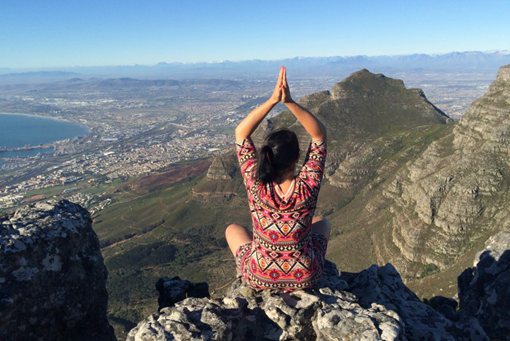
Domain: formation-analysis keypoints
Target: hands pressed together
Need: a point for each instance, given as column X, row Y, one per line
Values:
column 281, row 92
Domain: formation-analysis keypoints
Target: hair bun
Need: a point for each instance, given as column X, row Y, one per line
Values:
column 278, row 155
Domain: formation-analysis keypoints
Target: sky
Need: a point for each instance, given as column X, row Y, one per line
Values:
column 58, row 33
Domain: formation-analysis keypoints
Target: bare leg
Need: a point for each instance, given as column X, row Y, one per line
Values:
column 236, row 235
column 320, row 225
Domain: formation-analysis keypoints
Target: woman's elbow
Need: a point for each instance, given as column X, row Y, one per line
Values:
column 322, row 135
column 240, row 135
column 324, row 131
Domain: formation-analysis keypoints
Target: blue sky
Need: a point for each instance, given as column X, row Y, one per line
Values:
column 53, row 33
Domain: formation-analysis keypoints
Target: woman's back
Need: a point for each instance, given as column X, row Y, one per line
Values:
column 283, row 253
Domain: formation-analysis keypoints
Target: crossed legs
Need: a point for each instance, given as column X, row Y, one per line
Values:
column 237, row 235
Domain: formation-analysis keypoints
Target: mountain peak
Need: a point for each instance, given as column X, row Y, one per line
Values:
column 364, row 82
column 504, row 73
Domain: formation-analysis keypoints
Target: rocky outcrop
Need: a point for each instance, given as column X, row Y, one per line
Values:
column 457, row 192
column 173, row 290
column 484, row 293
column 52, row 282
column 52, row 276
column 371, row 305
column 223, row 167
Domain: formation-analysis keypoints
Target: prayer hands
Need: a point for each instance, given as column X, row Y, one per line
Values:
column 281, row 91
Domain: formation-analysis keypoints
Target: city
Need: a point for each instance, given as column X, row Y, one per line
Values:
column 144, row 126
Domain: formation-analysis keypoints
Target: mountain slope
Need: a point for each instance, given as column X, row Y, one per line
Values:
column 438, row 210
column 375, row 125
column 455, row 195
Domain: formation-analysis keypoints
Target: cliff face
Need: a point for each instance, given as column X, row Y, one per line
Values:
column 52, row 276
column 457, row 192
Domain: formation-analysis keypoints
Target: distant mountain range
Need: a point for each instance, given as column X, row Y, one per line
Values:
column 300, row 66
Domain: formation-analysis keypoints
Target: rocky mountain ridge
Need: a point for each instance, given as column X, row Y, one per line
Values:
column 457, row 191
column 366, row 115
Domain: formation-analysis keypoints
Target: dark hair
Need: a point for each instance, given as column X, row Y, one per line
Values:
column 278, row 154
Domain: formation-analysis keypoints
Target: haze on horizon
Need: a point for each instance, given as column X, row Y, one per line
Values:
column 58, row 33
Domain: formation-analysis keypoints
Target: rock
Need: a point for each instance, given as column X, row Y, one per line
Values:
column 445, row 305
column 384, row 286
column 455, row 192
column 496, row 244
column 223, row 167
column 371, row 305
column 52, row 276
column 175, row 289
column 484, row 293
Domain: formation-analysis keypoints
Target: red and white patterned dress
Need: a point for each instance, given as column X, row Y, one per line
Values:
column 283, row 254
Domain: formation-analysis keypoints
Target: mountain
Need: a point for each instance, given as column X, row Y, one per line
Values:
column 370, row 118
column 375, row 126
column 452, row 198
column 35, row 76
column 466, row 61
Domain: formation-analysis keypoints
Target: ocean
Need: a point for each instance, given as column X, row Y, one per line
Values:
column 18, row 130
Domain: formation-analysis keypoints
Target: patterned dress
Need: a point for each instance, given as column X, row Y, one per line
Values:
column 283, row 254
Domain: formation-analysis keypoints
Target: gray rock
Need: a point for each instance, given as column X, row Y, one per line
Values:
column 455, row 192
column 384, row 286
column 371, row 305
column 325, row 313
column 173, row 290
column 484, row 293
column 52, row 276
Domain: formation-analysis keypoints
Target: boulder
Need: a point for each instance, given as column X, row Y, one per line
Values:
column 484, row 293
column 371, row 305
column 52, row 276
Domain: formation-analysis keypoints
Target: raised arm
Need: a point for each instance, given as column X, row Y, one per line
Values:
column 252, row 121
column 312, row 125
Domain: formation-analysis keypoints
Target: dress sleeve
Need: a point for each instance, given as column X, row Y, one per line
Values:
column 312, row 171
column 247, row 157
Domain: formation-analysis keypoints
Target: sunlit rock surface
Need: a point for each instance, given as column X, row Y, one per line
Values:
column 52, row 276
column 371, row 305
column 457, row 191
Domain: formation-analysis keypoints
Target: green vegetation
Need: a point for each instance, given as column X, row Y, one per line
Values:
column 428, row 269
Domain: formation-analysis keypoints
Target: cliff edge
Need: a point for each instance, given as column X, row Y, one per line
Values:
column 52, row 287
column 52, row 275
column 373, row 304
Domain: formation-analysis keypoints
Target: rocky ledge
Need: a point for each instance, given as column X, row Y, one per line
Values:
column 52, row 275
column 371, row 305
column 52, row 287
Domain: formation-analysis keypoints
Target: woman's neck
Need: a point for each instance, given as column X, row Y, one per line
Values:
column 287, row 178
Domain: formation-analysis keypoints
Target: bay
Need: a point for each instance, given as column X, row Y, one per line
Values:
column 20, row 130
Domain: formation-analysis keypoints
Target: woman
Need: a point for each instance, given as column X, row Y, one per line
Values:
column 288, row 247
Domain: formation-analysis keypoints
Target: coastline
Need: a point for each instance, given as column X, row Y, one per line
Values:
column 83, row 131
column 49, row 118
